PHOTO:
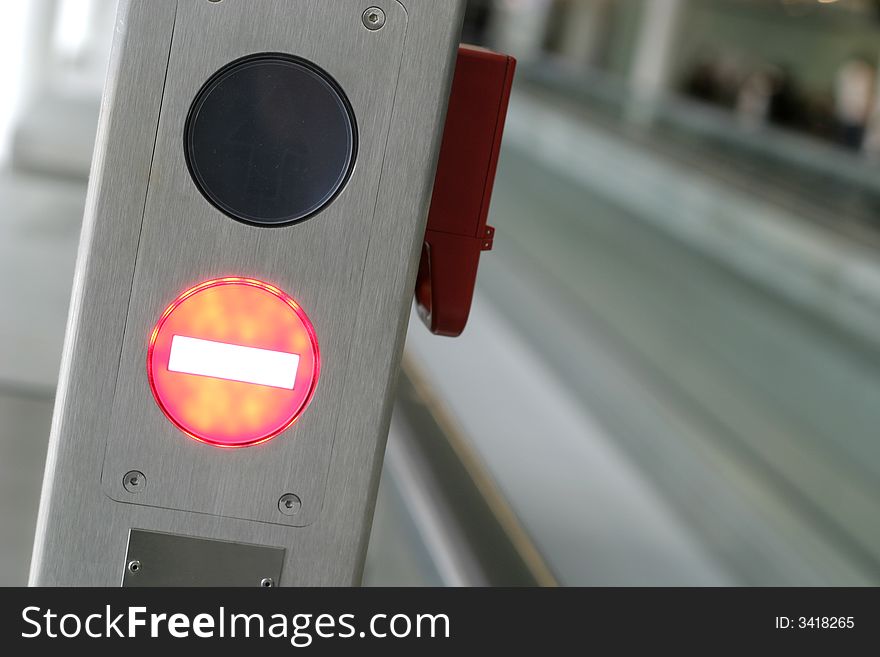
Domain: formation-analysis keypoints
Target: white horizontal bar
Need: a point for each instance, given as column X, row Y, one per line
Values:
column 233, row 362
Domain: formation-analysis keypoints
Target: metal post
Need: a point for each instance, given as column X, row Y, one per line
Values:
column 223, row 284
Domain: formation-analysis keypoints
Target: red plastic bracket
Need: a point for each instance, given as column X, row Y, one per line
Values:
column 457, row 232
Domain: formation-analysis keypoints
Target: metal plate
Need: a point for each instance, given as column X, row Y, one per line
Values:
column 185, row 240
column 81, row 531
column 159, row 559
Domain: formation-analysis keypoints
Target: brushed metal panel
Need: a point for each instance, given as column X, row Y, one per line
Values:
column 162, row 559
column 101, row 287
column 185, row 240
column 82, row 533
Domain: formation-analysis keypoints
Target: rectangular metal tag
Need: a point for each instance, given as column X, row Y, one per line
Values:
column 159, row 559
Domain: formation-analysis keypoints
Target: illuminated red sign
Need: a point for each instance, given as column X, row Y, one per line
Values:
column 233, row 362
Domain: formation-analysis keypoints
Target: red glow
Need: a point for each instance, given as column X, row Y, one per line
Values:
column 236, row 311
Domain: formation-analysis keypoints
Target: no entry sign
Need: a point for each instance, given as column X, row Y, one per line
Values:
column 233, row 362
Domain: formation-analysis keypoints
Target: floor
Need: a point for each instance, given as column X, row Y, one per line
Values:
column 653, row 417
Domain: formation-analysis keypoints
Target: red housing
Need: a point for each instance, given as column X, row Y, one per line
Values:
column 457, row 232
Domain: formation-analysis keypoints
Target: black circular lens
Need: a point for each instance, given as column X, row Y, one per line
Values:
column 270, row 139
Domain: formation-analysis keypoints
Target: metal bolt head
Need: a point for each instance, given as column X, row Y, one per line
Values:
column 267, row 582
column 374, row 19
column 134, row 481
column 134, row 566
column 289, row 504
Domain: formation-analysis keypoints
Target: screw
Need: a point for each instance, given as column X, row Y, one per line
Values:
column 267, row 582
column 134, row 481
column 374, row 19
column 134, row 566
column 289, row 504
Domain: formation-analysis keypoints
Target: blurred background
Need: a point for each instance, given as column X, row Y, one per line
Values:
column 671, row 374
